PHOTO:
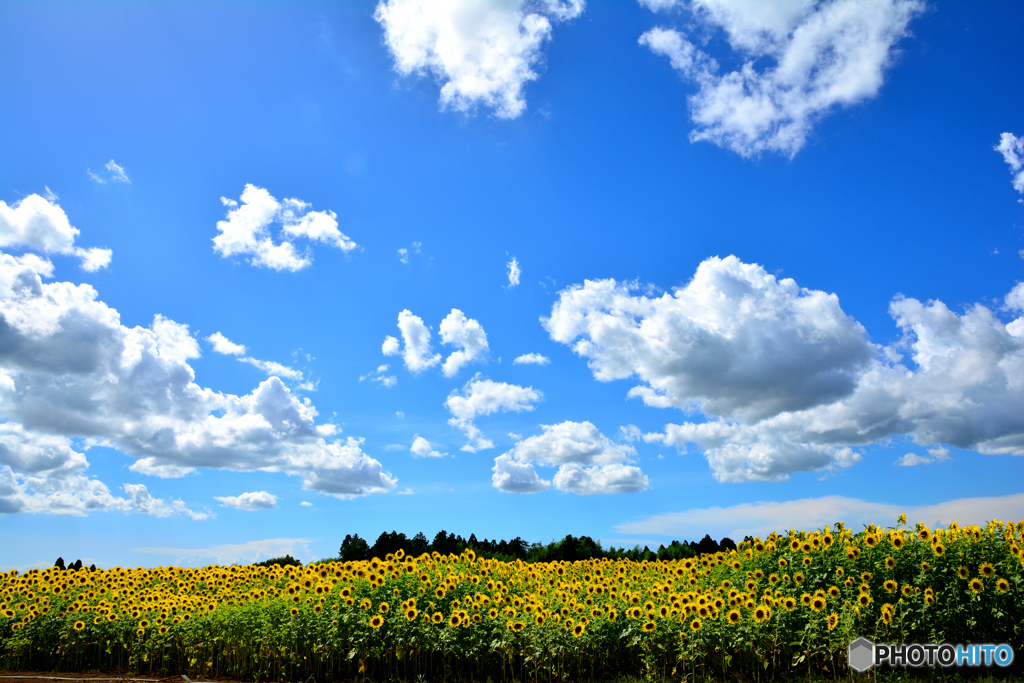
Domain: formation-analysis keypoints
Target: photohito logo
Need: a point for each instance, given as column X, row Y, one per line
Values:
column 864, row 654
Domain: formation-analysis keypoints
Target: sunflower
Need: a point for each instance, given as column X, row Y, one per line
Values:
column 887, row 612
column 649, row 626
column 939, row 550
column 162, row 629
column 783, row 562
column 833, row 592
column 294, row 611
column 890, row 562
column 817, row 603
column 612, row 614
column 734, row 617
column 798, row 578
column 79, row 625
column 863, row 599
column 897, row 542
column 907, row 590
column 97, row 619
column 539, row 619
column 773, row 579
column 789, row 603
column 437, row 618
column 518, row 626
column 376, row 621
column 925, row 566
column 976, row 585
column 833, row 621
column 758, row 575
column 962, row 572
column 411, row 614
column 986, row 570
column 924, row 534
column 865, row 576
column 1002, row 585
column 762, row 614
column 891, row 586
column 492, row 613
column 454, row 620
column 871, row 540
column 140, row 631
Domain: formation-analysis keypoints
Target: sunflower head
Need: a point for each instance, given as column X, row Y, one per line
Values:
column 962, row 572
column 376, row 621
column 734, row 617
column 986, row 569
column 833, row 621
column 578, row 630
column 976, row 585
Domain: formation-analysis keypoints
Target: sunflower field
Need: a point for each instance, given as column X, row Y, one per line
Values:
column 772, row 609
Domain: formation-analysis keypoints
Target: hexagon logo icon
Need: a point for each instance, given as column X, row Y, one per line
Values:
column 861, row 654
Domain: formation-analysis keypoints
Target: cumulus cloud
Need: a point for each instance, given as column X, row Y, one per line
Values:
column 246, row 232
column 800, row 60
column 531, row 359
column 39, row 224
column 786, row 381
column 147, row 504
column 422, row 448
column 112, row 173
column 762, row 518
column 511, row 476
column 223, row 345
column 405, row 254
column 417, row 354
column 485, row 397
column 1012, row 149
column 588, row 462
column 70, row 369
column 483, row 53
column 457, row 330
column 254, row 500
column 513, row 272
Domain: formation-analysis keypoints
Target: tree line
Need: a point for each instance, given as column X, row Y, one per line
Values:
column 569, row 549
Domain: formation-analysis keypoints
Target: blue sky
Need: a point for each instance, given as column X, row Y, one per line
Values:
column 765, row 260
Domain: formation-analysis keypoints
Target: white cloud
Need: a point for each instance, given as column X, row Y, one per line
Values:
column 391, row 346
column 787, row 381
column 306, row 504
column 70, row 369
column 1012, row 149
column 405, row 254
column 115, row 173
column 485, row 397
column 417, row 355
column 761, row 518
column 40, row 224
column 273, row 368
column 145, row 503
column 936, row 454
column 238, row 553
column 457, row 330
column 380, row 375
column 601, row 479
column 630, row 433
column 245, row 232
column 912, row 460
column 513, row 272
column 223, row 345
column 484, row 53
column 422, row 448
column 406, row 492
column 516, row 477
column 531, row 359
column 588, row 462
column 253, row 500
column 800, row 60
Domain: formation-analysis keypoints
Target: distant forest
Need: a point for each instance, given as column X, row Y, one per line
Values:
column 569, row 549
